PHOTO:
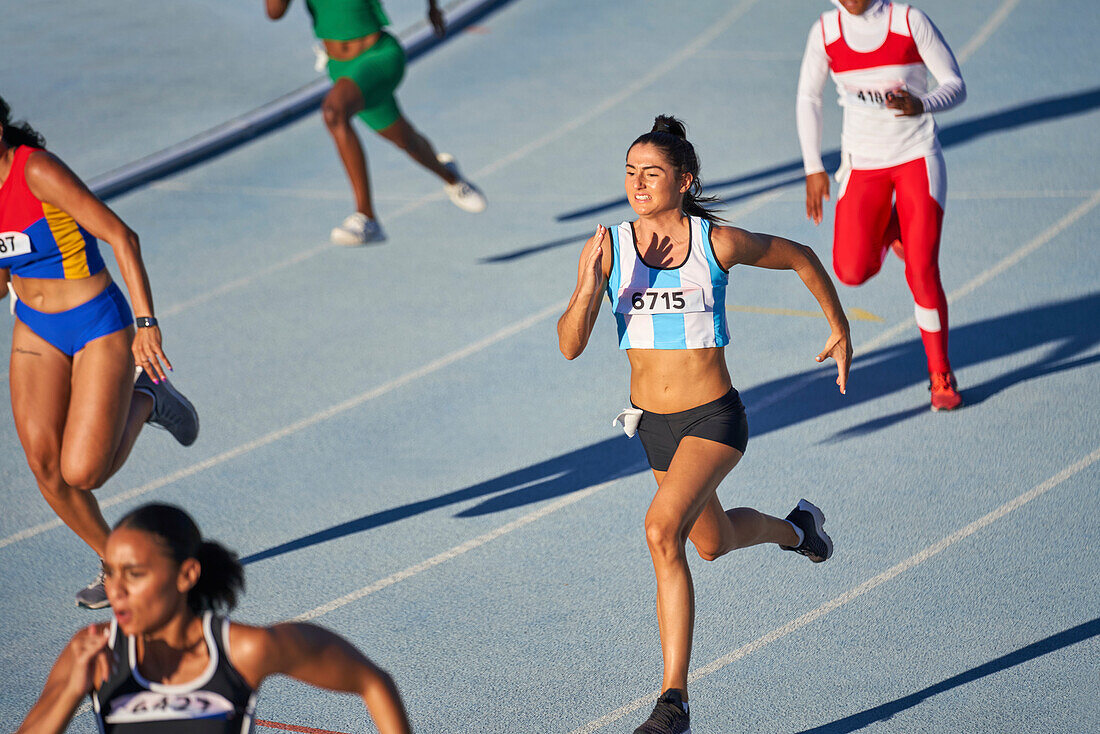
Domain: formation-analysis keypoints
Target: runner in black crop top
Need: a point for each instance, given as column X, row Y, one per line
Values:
column 168, row 663
column 219, row 701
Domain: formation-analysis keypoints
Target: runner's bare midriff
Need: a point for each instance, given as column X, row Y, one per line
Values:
column 344, row 50
column 672, row 380
column 50, row 295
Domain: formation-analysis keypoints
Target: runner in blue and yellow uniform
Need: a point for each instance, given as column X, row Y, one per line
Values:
column 366, row 64
column 76, row 406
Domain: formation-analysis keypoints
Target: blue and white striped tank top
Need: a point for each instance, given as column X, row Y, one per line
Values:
column 668, row 308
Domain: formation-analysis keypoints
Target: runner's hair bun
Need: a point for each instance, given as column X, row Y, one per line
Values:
column 670, row 125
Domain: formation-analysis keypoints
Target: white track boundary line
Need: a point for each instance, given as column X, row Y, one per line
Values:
column 452, row 553
column 700, row 42
column 615, row 101
column 301, row 257
column 307, row 422
column 855, row 592
column 691, row 49
column 609, row 104
column 440, row 559
column 696, row 45
column 775, row 397
column 991, row 25
column 973, row 284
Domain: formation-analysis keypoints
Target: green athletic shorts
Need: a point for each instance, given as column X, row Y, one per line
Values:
column 377, row 72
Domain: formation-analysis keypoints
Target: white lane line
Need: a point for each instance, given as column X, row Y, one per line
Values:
column 564, row 198
column 754, row 203
column 693, row 47
column 1025, row 194
column 978, row 39
column 453, row 553
column 976, row 282
column 756, row 405
column 609, row 104
column 301, row 257
column 854, row 593
column 265, row 191
column 307, row 422
column 1080, row 211
column 613, row 102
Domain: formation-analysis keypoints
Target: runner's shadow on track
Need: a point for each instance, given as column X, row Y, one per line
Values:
column 855, row 722
column 1029, row 113
column 561, row 475
column 1069, row 329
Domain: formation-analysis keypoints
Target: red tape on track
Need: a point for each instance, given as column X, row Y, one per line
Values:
column 294, row 727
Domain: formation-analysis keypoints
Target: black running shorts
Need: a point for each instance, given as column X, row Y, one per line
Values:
column 722, row 420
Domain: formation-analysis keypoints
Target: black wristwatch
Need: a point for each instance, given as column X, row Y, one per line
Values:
column 144, row 322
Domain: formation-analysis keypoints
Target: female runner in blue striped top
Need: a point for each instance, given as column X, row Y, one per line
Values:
column 665, row 275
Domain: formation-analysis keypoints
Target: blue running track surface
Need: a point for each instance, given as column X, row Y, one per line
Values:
column 394, row 444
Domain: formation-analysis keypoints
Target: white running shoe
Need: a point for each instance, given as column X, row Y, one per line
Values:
column 462, row 193
column 357, row 229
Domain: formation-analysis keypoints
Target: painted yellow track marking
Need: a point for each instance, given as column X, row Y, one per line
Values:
column 855, row 314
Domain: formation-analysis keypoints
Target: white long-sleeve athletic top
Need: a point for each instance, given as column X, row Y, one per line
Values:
column 873, row 135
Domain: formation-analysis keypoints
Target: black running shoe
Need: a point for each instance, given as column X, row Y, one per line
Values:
column 171, row 410
column 668, row 717
column 816, row 545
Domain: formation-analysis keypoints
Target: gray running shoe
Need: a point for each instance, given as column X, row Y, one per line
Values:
column 171, row 410
column 816, row 544
column 93, row 596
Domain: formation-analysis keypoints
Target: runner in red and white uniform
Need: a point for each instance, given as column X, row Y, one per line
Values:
column 893, row 184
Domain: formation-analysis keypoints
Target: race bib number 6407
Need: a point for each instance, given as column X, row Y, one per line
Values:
column 660, row 300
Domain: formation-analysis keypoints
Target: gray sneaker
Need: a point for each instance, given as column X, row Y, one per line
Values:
column 93, row 596
column 171, row 410
column 816, row 544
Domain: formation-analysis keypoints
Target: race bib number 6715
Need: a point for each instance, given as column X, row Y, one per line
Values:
column 660, row 300
column 14, row 243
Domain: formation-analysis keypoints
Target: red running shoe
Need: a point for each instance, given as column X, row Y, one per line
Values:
column 944, row 394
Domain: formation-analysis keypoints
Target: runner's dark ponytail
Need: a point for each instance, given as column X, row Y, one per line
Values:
column 670, row 136
column 18, row 133
column 222, row 577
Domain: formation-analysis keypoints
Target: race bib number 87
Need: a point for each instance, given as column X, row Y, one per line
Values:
column 14, row 243
column 660, row 300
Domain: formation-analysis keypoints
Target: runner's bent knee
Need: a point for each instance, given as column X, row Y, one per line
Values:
column 85, row 473
column 43, row 457
column 339, row 105
column 335, row 115
column 664, row 537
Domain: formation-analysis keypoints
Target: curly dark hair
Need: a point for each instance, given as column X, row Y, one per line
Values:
column 18, row 133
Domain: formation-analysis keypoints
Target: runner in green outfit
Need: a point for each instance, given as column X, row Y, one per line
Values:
column 366, row 64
